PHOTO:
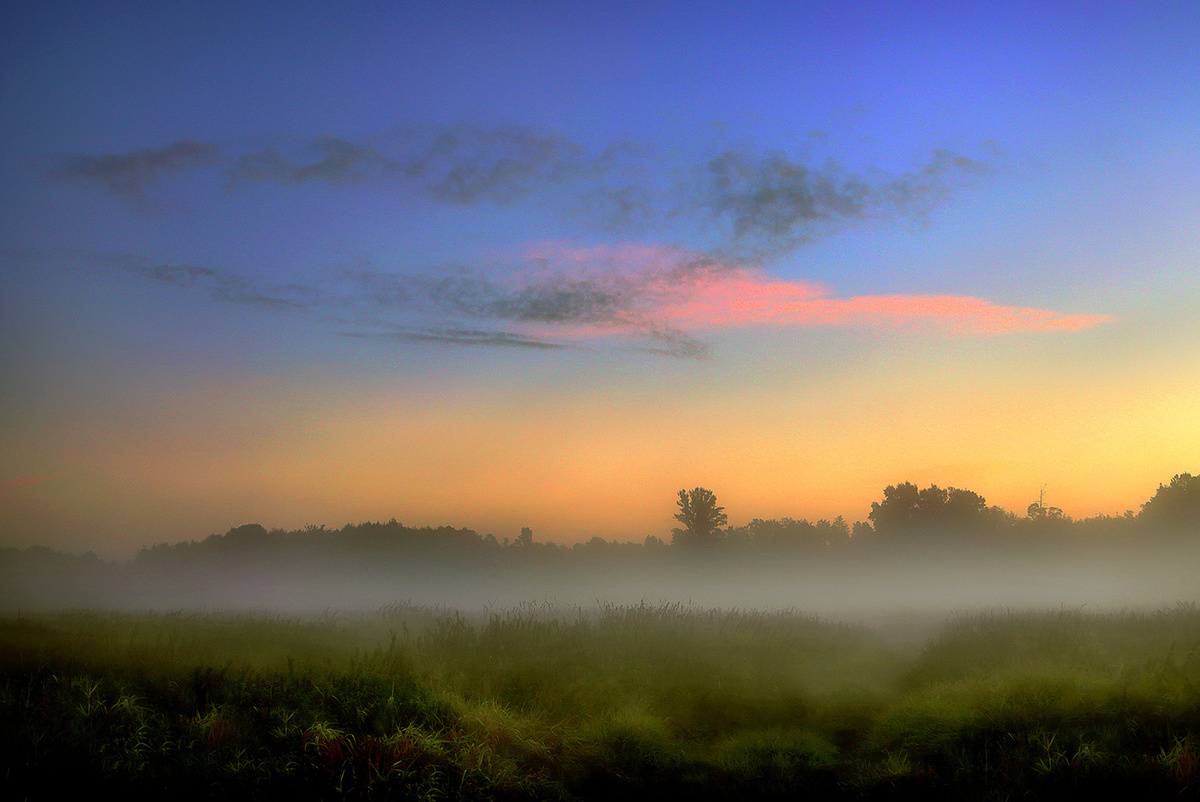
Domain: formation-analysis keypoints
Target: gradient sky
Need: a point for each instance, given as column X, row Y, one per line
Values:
column 530, row 264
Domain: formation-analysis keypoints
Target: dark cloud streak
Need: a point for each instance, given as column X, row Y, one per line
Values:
column 129, row 175
column 456, row 336
column 228, row 287
column 736, row 208
column 373, row 305
column 461, row 166
column 772, row 204
column 608, row 301
column 340, row 163
column 759, row 205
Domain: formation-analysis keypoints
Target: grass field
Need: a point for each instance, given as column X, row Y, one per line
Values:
column 613, row 702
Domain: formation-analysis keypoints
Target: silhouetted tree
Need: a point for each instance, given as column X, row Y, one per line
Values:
column 906, row 508
column 241, row 540
column 702, row 519
column 899, row 509
column 862, row 532
column 783, row 534
column 834, row 533
column 1038, row 510
column 1176, row 505
column 965, row 507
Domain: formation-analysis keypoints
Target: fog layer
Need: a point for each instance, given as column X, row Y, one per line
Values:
column 249, row 569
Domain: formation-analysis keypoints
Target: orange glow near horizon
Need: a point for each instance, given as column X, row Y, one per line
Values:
column 573, row 468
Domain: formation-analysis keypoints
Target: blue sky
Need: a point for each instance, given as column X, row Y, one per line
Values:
column 791, row 252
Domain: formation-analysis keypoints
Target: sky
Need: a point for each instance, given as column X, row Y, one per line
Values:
column 506, row 264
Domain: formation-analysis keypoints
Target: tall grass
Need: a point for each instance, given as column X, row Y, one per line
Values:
column 642, row 701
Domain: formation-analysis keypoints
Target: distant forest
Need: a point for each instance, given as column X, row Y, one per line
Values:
column 908, row 531
column 906, row 516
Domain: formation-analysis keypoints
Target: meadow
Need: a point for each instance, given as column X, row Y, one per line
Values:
column 610, row 701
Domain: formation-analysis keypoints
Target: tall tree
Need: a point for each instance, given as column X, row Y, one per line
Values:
column 907, row 509
column 702, row 519
column 1176, row 505
column 899, row 509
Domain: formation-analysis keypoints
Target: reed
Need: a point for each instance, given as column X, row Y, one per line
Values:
column 640, row 701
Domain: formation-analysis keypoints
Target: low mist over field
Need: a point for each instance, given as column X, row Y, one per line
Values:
column 923, row 552
column 868, row 587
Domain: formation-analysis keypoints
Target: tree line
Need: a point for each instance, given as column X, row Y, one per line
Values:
column 907, row 515
column 911, row 514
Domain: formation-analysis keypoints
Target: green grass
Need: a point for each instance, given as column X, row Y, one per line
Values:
column 635, row 702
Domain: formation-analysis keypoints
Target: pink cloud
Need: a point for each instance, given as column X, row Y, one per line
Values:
column 744, row 298
column 740, row 298
column 962, row 314
column 660, row 287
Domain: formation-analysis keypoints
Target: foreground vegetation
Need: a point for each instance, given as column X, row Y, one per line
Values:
column 615, row 702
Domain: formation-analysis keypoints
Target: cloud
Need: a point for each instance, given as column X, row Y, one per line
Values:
column 338, row 162
column 673, row 291
column 548, row 303
column 366, row 305
column 751, row 298
column 744, row 203
column 131, row 174
column 463, row 165
column 499, row 164
column 456, row 336
column 774, row 196
column 958, row 314
column 738, row 208
column 227, row 286
column 769, row 204
column 675, row 344
column 662, row 300
column 761, row 204
column 665, row 296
